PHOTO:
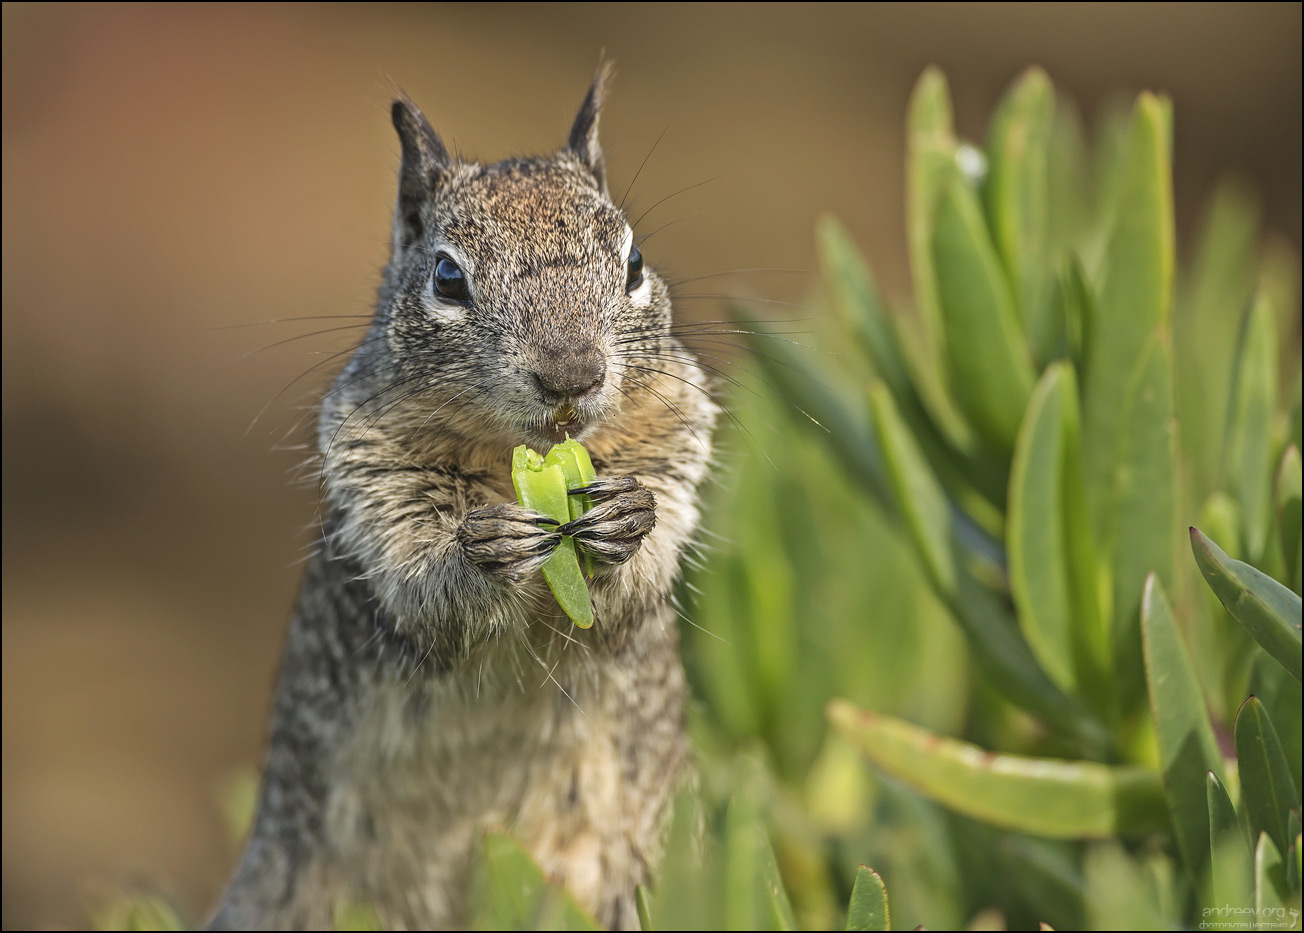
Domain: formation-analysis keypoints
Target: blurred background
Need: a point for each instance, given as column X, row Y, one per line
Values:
column 170, row 171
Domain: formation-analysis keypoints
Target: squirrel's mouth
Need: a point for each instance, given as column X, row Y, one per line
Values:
column 564, row 421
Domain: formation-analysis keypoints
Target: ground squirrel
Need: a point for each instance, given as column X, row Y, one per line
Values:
column 430, row 685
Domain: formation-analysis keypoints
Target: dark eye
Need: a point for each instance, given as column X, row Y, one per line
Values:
column 634, row 271
column 450, row 281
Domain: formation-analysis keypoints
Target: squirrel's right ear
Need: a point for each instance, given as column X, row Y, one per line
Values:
column 425, row 162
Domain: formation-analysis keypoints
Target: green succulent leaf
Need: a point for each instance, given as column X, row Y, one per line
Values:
column 1221, row 279
column 1016, row 193
column 999, row 649
column 867, row 319
column 1053, row 570
column 1229, row 853
column 1187, row 748
column 1144, row 509
column 123, row 911
column 988, row 361
column 1048, row 797
column 351, row 914
column 1288, row 500
column 844, row 426
column 1134, row 295
column 1267, row 610
column 930, row 166
column 754, row 896
column 643, row 905
column 1249, row 441
column 1270, row 888
column 512, row 894
column 868, row 909
column 1267, row 787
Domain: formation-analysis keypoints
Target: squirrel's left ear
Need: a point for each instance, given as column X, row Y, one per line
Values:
column 424, row 164
column 584, row 134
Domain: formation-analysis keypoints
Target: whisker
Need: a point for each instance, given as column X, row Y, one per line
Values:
column 315, row 333
column 334, row 356
column 674, row 409
column 674, row 194
column 643, row 239
column 716, row 275
column 723, row 407
column 286, row 320
column 621, row 206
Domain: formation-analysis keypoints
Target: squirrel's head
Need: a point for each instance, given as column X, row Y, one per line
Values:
column 512, row 288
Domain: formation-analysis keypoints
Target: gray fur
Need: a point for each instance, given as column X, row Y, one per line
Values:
column 430, row 686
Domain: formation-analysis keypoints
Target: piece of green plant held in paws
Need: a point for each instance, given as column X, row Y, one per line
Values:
column 574, row 461
column 541, row 486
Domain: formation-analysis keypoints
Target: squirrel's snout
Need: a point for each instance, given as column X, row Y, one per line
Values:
column 563, row 378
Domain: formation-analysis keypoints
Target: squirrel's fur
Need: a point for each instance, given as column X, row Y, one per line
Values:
column 430, row 685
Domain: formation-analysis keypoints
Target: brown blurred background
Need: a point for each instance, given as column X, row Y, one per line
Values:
column 170, row 170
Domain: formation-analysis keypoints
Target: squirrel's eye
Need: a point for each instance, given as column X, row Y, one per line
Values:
column 450, row 281
column 634, row 272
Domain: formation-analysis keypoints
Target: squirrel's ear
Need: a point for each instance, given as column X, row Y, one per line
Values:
column 425, row 161
column 584, row 134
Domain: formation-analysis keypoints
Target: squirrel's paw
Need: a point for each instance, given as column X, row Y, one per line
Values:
column 507, row 540
column 613, row 529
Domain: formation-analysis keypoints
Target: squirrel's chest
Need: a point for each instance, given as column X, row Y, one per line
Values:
column 545, row 755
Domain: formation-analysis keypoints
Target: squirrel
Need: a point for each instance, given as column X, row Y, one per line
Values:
column 430, row 687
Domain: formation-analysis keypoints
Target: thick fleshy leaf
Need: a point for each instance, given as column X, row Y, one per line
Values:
column 1188, row 751
column 1134, row 296
column 1053, row 570
column 754, row 896
column 843, row 425
column 999, row 649
column 990, row 368
column 1288, row 501
column 1143, row 530
column 1229, row 852
column 352, row 914
column 1048, row 797
column 1016, row 193
column 1219, row 284
column 512, row 894
column 1269, row 611
column 1267, row 788
column 922, row 501
column 1035, row 532
column 1249, row 443
column 1270, row 888
column 868, row 909
column 121, row 911
column 930, row 166
column 1283, row 697
column 1119, row 895
column 643, row 905
column 867, row 319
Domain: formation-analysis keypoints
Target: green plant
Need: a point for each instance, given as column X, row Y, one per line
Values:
column 1038, row 432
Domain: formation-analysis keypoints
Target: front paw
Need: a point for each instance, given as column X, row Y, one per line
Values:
column 507, row 541
column 613, row 529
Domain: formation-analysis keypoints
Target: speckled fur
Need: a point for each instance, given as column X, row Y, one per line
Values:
column 430, row 686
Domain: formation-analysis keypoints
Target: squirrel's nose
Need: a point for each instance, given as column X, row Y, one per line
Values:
column 570, row 376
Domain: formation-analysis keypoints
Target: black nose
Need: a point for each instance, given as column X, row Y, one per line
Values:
column 571, row 375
